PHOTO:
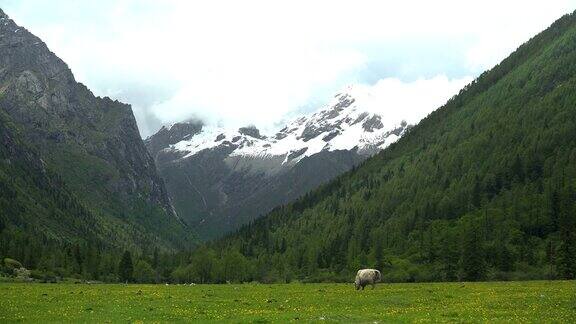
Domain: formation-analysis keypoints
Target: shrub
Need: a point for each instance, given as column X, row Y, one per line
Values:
column 12, row 264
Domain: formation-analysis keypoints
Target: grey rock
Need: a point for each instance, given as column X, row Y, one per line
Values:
column 372, row 123
column 295, row 154
column 251, row 131
column 330, row 135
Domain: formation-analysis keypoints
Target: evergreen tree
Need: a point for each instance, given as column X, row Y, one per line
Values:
column 378, row 255
column 476, row 193
column 567, row 249
column 554, row 209
column 472, row 259
column 504, row 260
column 155, row 258
column 126, row 268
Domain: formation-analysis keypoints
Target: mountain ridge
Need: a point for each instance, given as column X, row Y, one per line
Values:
column 233, row 176
column 336, row 117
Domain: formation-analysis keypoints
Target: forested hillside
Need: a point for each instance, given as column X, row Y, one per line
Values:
column 76, row 182
column 91, row 143
column 39, row 216
column 34, row 198
column 483, row 188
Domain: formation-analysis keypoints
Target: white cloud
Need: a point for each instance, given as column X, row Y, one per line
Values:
column 238, row 62
column 397, row 100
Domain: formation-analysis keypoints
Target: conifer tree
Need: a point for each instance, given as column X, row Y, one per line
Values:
column 126, row 268
column 472, row 258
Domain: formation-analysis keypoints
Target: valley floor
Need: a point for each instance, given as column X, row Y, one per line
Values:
column 536, row 301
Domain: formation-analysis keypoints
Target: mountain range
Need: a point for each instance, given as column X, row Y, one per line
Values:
column 220, row 179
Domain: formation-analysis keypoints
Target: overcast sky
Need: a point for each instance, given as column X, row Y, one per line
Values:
column 259, row 62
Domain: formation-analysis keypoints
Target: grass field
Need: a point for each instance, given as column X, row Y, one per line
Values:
column 537, row 301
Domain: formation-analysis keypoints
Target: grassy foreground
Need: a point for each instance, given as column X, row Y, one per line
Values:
column 537, row 301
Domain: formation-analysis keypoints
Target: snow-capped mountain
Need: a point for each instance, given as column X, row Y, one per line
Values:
column 222, row 178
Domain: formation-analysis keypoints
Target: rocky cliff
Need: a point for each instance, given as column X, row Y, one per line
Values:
column 92, row 143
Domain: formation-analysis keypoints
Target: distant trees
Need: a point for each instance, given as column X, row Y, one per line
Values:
column 144, row 273
column 234, row 267
column 204, row 265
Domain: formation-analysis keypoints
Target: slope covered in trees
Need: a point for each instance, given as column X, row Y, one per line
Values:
column 39, row 216
column 48, row 229
column 77, row 185
column 483, row 188
column 91, row 143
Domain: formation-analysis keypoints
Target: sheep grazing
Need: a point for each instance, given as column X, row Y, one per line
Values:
column 367, row 277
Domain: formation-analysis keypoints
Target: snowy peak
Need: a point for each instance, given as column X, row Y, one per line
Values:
column 341, row 114
column 172, row 134
column 343, row 124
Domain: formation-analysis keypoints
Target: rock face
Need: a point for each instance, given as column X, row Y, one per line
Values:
column 92, row 143
column 172, row 135
column 220, row 179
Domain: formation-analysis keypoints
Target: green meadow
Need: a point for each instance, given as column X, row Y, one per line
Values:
column 536, row 301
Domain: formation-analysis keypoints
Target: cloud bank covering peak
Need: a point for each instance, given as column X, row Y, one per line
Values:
column 235, row 63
